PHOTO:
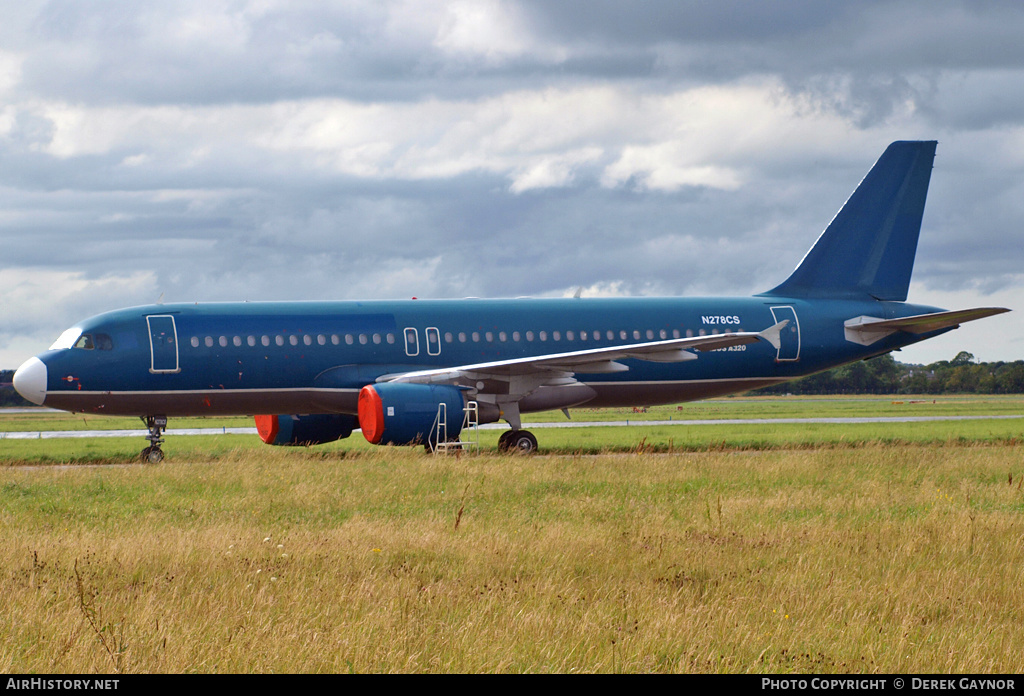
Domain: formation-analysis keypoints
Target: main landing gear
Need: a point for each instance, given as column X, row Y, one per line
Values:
column 521, row 441
column 156, row 425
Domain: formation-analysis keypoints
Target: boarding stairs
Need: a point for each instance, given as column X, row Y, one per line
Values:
column 439, row 442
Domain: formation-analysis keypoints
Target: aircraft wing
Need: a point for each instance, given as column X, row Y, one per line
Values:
column 596, row 360
column 866, row 330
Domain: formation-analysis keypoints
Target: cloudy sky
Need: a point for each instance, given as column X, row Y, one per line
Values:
column 279, row 149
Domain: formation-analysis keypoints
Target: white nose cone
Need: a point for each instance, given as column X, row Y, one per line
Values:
column 30, row 380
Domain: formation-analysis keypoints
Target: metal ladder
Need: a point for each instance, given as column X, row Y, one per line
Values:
column 439, row 443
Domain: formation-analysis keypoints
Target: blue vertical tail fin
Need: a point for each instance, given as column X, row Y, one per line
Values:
column 868, row 249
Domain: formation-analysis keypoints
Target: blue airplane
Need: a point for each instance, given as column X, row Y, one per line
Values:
column 403, row 371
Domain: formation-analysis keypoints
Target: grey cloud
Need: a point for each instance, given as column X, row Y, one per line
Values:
column 647, row 23
column 154, row 54
column 248, row 221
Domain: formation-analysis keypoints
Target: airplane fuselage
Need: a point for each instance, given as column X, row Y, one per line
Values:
column 314, row 357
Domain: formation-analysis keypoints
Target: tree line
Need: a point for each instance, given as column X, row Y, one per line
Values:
column 884, row 375
column 9, row 397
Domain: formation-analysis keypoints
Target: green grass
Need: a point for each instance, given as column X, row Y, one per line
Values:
column 805, row 407
column 46, row 420
column 591, row 440
column 712, row 409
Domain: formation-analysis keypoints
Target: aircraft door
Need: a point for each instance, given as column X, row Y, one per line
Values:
column 789, row 339
column 412, row 341
column 433, row 341
column 163, row 344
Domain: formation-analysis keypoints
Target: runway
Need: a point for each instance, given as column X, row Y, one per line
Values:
column 57, row 434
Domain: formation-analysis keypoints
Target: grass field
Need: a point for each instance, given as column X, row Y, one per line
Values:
column 826, row 551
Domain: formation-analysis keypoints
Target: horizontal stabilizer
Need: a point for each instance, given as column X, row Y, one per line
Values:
column 867, row 330
column 773, row 334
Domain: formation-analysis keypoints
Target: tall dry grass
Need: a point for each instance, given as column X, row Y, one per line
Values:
column 877, row 559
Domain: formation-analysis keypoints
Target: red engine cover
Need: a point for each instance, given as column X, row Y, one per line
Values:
column 371, row 414
column 267, row 427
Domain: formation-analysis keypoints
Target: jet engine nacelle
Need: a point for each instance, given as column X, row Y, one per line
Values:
column 405, row 414
column 313, row 429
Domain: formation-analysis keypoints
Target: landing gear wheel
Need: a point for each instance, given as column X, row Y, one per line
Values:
column 156, row 426
column 521, row 441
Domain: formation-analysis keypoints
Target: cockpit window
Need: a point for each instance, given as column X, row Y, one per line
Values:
column 74, row 338
column 67, row 339
column 100, row 341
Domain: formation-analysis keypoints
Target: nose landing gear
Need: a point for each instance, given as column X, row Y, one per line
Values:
column 156, row 426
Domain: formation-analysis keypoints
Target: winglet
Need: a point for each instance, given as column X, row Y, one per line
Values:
column 773, row 333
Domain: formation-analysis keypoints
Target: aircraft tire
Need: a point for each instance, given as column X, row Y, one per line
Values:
column 517, row 441
column 152, row 455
